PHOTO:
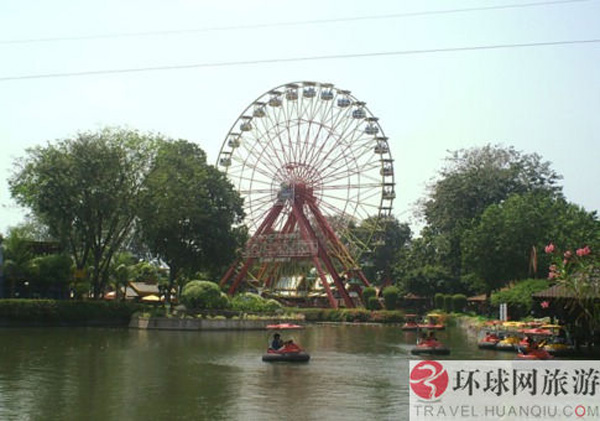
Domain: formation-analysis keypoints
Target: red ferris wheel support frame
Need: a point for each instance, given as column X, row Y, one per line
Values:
column 318, row 243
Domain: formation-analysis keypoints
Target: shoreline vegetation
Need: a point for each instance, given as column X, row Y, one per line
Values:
column 46, row 312
column 16, row 313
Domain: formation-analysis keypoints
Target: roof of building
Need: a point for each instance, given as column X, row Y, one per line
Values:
column 142, row 288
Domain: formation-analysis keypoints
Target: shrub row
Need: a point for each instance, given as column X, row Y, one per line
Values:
column 66, row 311
column 355, row 315
column 199, row 296
column 450, row 303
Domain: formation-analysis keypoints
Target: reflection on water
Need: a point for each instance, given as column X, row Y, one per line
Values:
column 356, row 372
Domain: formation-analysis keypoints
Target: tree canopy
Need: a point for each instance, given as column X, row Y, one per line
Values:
column 189, row 212
column 86, row 189
column 472, row 180
column 503, row 245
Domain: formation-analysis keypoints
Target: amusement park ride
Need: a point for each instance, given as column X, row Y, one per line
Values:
column 311, row 163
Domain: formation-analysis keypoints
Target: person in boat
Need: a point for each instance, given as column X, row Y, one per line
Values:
column 531, row 345
column 423, row 338
column 277, row 343
column 491, row 335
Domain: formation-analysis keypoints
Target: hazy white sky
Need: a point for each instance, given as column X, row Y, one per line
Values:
column 542, row 99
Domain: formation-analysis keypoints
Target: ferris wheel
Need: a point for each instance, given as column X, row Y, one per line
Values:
column 311, row 162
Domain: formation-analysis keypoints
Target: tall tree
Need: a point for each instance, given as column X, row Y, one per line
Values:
column 190, row 212
column 474, row 179
column 390, row 243
column 86, row 189
column 503, row 246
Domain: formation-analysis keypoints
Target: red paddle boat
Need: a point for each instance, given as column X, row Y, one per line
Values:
column 284, row 351
column 430, row 346
column 534, row 354
column 290, row 352
column 489, row 341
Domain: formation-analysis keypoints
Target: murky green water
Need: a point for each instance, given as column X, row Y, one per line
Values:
column 356, row 373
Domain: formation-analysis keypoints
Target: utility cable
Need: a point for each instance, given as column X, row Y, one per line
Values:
column 297, row 59
column 286, row 24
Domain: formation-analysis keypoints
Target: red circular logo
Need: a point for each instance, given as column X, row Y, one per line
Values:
column 428, row 379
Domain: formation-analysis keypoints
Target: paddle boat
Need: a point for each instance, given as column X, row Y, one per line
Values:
column 510, row 343
column 534, row 354
column 285, row 326
column 411, row 324
column 290, row 352
column 287, row 351
column 559, row 349
column 429, row 345
column 489, row 341
column 559, row 345
column 433, row 321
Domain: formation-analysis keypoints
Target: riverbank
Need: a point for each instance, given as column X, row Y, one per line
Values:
column 175, row 323
column 243, row 321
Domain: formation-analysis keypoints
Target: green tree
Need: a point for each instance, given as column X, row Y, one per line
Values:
column 121, row 270
column 503, row 246
column 428, row 280
column 50, row 275
column 390, row 244
column 189, row 213
column 87, row 189
column 17, row 257
column 472, row 180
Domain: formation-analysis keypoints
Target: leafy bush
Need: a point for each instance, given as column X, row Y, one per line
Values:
column 391, row 295
column 204, row 295
column 447, row 303
column 438, row 300
column 354, row 315
column 459, row 303
column 373, row 303
column 272, row 306
column 518, row 297
column 367, row 293
column 254, row 303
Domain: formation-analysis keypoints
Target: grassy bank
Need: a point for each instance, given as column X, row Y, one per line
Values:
column 27, row 312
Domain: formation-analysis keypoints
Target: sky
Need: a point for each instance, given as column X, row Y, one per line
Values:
column 433, row 89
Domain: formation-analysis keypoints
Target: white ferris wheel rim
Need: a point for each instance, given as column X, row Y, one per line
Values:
column 317, row 135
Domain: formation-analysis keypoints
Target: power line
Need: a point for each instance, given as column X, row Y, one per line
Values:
column 281, row 24
column 297, row 59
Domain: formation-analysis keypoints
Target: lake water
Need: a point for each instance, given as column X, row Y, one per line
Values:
column 355, row 373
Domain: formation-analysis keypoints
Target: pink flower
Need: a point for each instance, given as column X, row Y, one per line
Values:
column 549, row 248
column 584, row 251
column 545, row 304
column 552, row 275
column 568, row 254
